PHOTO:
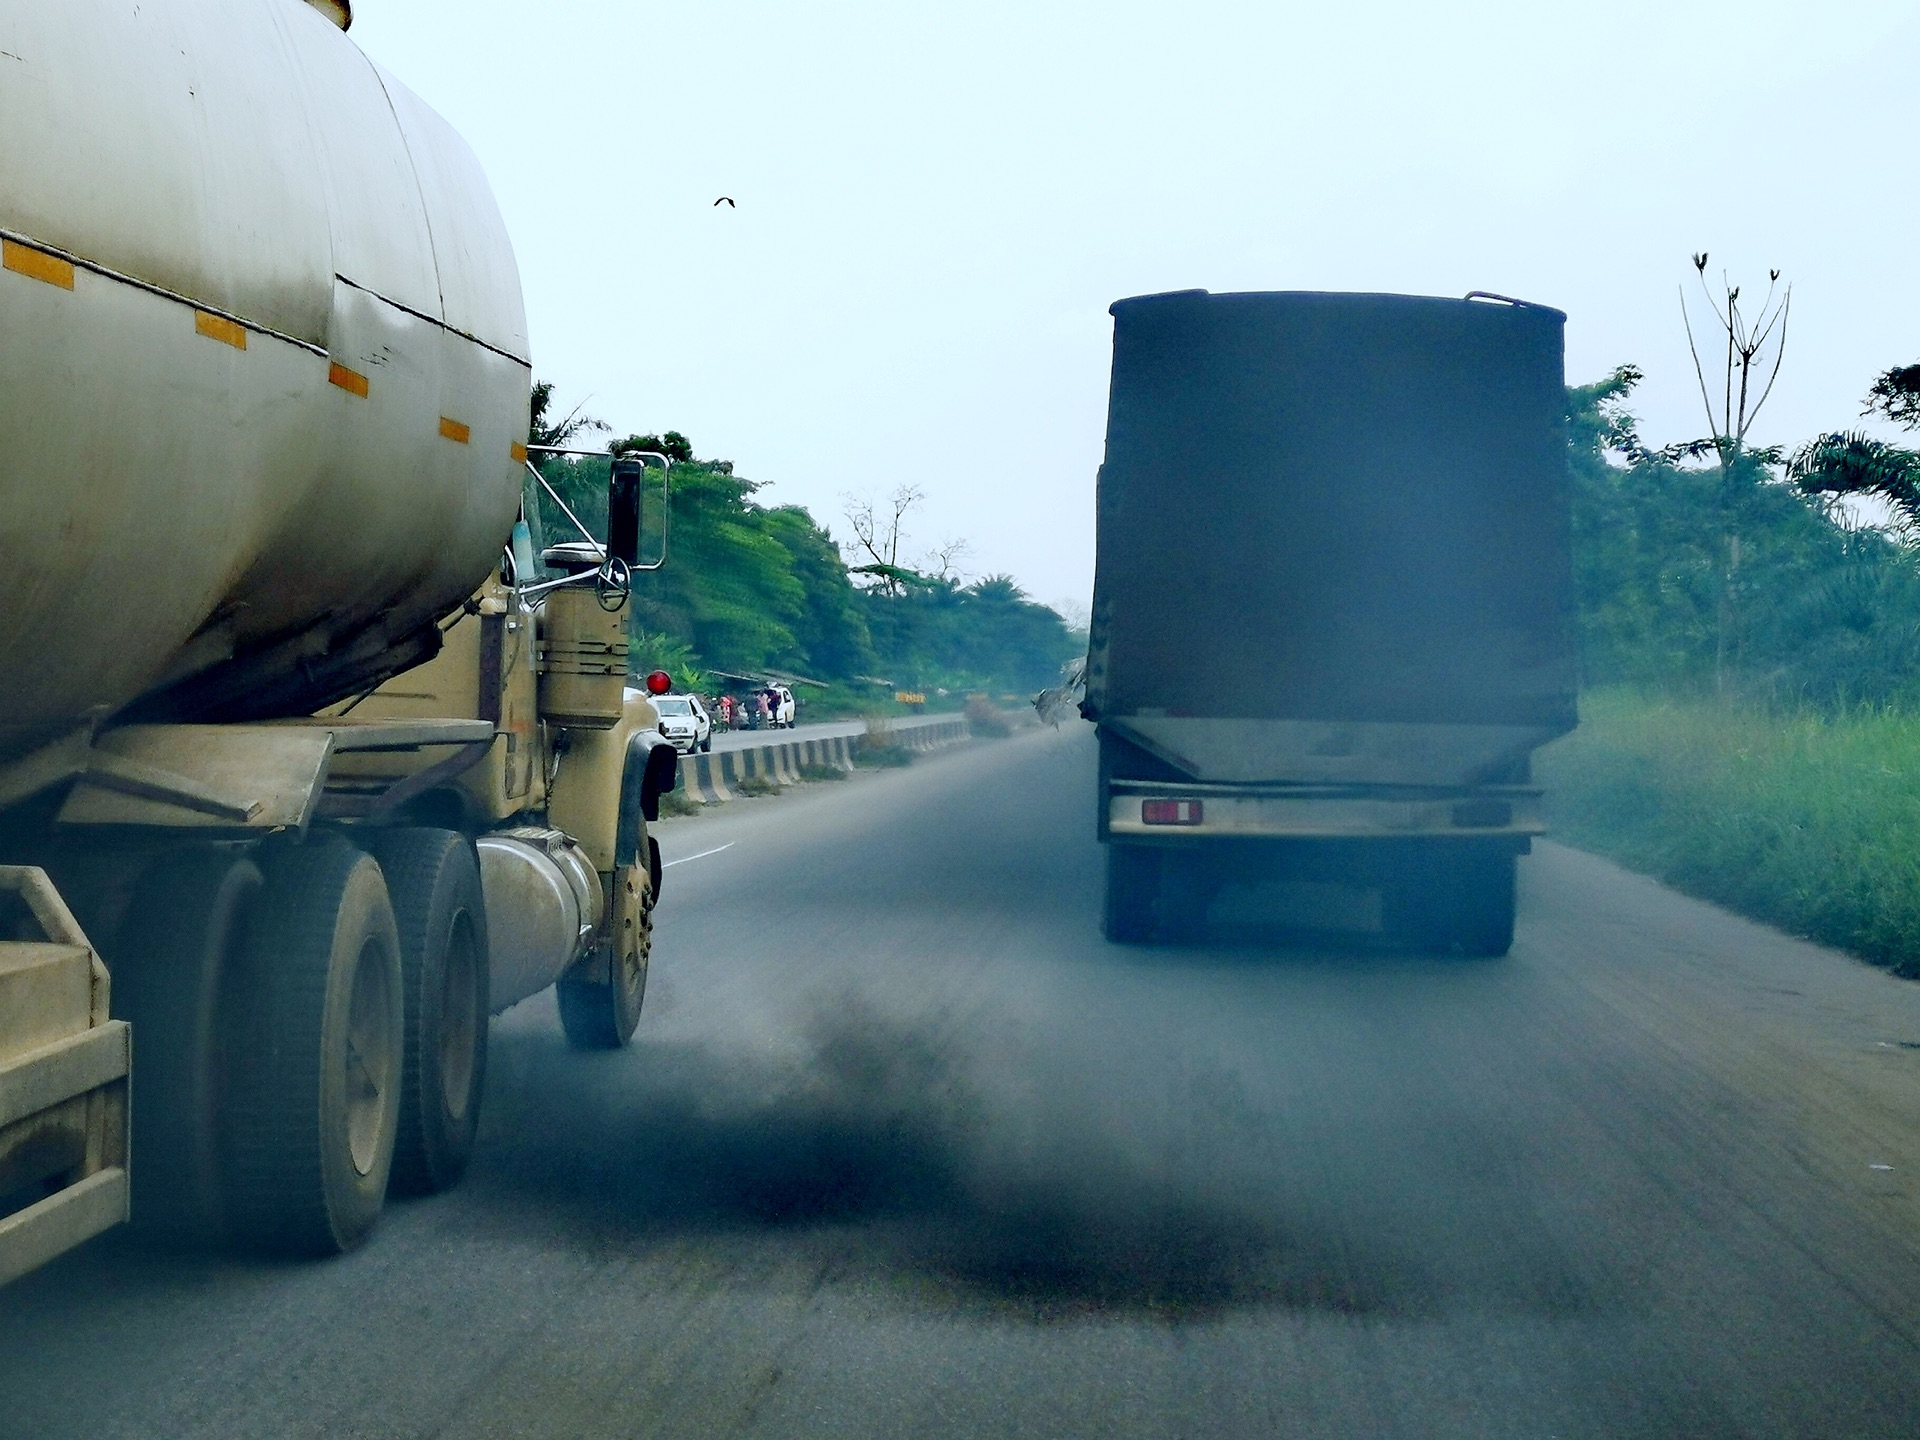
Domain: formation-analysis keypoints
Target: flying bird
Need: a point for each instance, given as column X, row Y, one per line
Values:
column 726, row 200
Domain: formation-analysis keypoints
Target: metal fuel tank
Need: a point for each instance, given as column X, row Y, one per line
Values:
column 263, row 357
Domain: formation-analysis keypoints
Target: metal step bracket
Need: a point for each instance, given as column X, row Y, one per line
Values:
column 64, row 1076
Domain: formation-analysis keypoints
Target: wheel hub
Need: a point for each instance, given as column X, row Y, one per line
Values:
column 369, row 1058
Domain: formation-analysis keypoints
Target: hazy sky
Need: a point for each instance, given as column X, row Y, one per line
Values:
column 937, row 203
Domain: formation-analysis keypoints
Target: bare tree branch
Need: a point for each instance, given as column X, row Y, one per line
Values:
column 1698, row 369
column 878, row 531
column 1779, row 354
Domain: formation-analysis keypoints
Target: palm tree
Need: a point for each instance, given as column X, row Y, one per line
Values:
column 555, row 434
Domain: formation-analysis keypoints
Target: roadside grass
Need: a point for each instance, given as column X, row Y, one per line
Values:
column 820, row 772
column 751, row 785
column 1808, row 822
column 679, row 803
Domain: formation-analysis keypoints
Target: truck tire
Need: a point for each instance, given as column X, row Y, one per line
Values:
column 171, row 972
column 1452, row 903
column 1184, row 894
column 434, row 883
column 1133, row 889
column 1482, row 920
column 602, row 1014
column 318, row 1054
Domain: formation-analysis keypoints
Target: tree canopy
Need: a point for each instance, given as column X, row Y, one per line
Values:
column 1825, row 609
column 748, row 589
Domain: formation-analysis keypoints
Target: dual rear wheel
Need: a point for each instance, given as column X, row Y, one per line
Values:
column 1154, row 894
column 1442, row 898
column 311, row 1023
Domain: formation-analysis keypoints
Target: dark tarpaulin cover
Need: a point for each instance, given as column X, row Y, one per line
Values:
column 1335, row 507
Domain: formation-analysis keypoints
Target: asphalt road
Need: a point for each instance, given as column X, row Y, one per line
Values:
column 906, row 1150
column 821, row 730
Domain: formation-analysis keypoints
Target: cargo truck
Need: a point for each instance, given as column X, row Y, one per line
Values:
column 1332, row 612
column 309, row 760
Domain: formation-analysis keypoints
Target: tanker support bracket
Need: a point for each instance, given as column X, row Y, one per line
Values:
column 245, row 778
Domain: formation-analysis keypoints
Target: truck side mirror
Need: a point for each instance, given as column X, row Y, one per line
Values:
column 623, row 509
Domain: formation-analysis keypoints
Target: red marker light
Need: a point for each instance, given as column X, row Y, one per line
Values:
column 1170, row 812
column 659, row 682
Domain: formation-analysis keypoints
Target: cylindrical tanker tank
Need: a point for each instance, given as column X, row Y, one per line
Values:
column 264, row 359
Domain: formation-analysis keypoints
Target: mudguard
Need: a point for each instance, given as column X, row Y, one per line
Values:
column 651, row 769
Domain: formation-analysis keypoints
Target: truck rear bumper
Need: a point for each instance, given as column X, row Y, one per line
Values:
column 1166, row 812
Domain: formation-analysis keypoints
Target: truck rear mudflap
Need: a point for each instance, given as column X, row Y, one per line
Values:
column 1174, row 811
column 64, row 1069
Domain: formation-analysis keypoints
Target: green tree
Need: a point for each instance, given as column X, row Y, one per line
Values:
column 729, row 588
column 1851, row 463
column 747, row 588
column 1896, row 396
column 544, row 429
column 830, row 634
column 1829, row 612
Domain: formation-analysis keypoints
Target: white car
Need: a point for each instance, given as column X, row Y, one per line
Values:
column 684, row 722
column 780, row 705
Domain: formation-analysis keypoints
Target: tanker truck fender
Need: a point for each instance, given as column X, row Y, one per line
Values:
column 652, row 769
column 602, row 794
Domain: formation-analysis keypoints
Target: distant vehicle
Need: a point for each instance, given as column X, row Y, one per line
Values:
column 1333, row 601
column 780, row 706
column 684, row 721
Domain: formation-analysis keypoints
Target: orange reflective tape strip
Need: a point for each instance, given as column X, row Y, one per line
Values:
column 518, row 452
column 352, row 381
column 36, row 264
column 218, row 327
column 455, row 431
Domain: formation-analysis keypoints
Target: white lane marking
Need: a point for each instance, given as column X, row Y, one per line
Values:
column 701, row 856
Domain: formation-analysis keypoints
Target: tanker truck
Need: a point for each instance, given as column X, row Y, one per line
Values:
column 1333, row 610
column 310, row 758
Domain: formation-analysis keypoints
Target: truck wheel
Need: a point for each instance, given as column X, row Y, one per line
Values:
column 434, row 882
column 1183, row 898
column 319, row 1052
column 1457, row 904
column 173, row 964
column 1482, row 921
column 1133, row 887
column 603, row 1014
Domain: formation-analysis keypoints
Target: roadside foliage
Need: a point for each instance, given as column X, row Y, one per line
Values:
column 1765, row 754
column 754, row 589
